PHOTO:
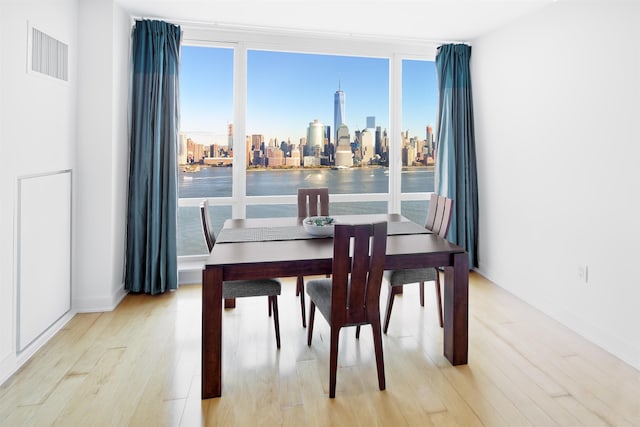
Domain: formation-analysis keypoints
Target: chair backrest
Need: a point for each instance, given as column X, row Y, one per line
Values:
column 431, row 212
column 439, row 215
column 313, row 202
column 358, row 263
column 207, row 230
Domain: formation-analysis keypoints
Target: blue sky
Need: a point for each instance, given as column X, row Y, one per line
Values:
column 287, row 91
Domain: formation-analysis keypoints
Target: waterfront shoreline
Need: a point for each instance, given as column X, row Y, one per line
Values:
column 312, row 168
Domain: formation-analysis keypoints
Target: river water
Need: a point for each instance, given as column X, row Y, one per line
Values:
column 216, row 182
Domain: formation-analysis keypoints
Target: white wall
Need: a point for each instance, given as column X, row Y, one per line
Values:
column 47, row 125
column 556, row 104
column 102, row 156
column 37, row 122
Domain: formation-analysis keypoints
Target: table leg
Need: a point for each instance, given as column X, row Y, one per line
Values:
column 211, row 333
column 456, row 309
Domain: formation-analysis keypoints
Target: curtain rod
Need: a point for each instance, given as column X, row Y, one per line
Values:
column 250, row 28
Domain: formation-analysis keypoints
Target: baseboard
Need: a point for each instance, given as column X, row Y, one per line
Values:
column 99, row 304
column 10, row 364
column 190, row 277
column 190, row 270
column 626, row 351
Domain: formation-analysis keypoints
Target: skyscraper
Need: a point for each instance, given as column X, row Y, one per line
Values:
column 344, row 157
column 371, row 122
column 430, row 141
column 338, row 111
column 366, row 146
column 315, row 138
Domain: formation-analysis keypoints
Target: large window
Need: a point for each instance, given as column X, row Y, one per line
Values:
column 206, row 126
column 256, row 124
column 313, row 118
column 419, row 108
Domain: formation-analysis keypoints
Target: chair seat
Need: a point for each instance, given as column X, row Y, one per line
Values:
column 319, row 291
column 251, row 288
column 415, row 275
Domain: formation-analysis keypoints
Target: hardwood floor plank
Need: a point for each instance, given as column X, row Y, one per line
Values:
column 85, row 405
column 583, row 414
column 194, row 409
column 553, row 362
column 140, row 365
column 293, row 416
column 42, row 373
column 499, row 362
column 522, row 399
column 432, row 381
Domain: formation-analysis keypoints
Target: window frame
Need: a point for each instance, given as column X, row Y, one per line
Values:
column 241, row 40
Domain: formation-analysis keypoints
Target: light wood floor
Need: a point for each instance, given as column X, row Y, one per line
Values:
column 140, row 366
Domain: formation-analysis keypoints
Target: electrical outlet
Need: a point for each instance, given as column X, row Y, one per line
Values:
column 583, row 273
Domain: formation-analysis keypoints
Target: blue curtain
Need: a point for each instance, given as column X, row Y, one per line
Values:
column 151, row 253
column 455, row 175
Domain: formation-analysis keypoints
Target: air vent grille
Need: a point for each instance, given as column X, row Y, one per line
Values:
column 49, row 56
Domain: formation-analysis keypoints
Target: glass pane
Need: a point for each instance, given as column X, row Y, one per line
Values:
column 271, row 211
column 417, row 179
column 343, row 208
column 204, row 182
column 206, row 111
column 190, row 239
column 316, row 120
column 355, row 208
column 415, row 210
column 339, row 181
column 206, row 139
column 419, row 108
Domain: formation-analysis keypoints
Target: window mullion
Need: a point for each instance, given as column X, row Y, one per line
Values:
column 239, row 191
column 395, row 126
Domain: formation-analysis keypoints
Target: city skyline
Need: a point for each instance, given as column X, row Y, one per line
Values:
column 287, row 91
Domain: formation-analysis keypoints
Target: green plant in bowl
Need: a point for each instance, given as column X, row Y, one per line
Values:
column 319, row 225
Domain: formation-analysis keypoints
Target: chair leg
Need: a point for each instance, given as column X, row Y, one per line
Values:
column 358, row 332
column 377, row 344
column 333, row 361
column 312, row 312
column 421, row 293
column 300, row 291
column 230, row 303
column 276, row 320
column 439, row 298
column 393, row 290
column 269, row 304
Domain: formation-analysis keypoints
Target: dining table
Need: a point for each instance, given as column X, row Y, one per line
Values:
column 281, row 247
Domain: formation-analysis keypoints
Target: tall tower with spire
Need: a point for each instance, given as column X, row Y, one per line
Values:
column 338, row 111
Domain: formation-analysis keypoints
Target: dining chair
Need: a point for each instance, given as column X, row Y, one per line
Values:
column 351, row 297
column 270, row 288
column 438, row 221
column 311, row 202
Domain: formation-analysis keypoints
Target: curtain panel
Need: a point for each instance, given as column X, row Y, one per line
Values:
column 151, row 248
column 456, row 175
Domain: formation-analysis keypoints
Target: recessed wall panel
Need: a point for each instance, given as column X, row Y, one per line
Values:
column 44, row 253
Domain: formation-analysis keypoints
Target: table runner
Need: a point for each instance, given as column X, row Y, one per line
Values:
column 297, row 232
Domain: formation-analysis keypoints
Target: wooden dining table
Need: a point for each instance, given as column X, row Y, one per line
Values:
column 279, row 247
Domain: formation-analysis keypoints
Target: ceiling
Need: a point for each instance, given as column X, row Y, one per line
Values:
column 431, row 20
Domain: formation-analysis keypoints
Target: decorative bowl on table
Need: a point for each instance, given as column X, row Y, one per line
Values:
column 319, row 225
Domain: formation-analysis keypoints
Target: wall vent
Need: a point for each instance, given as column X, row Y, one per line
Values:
column 49, row 56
